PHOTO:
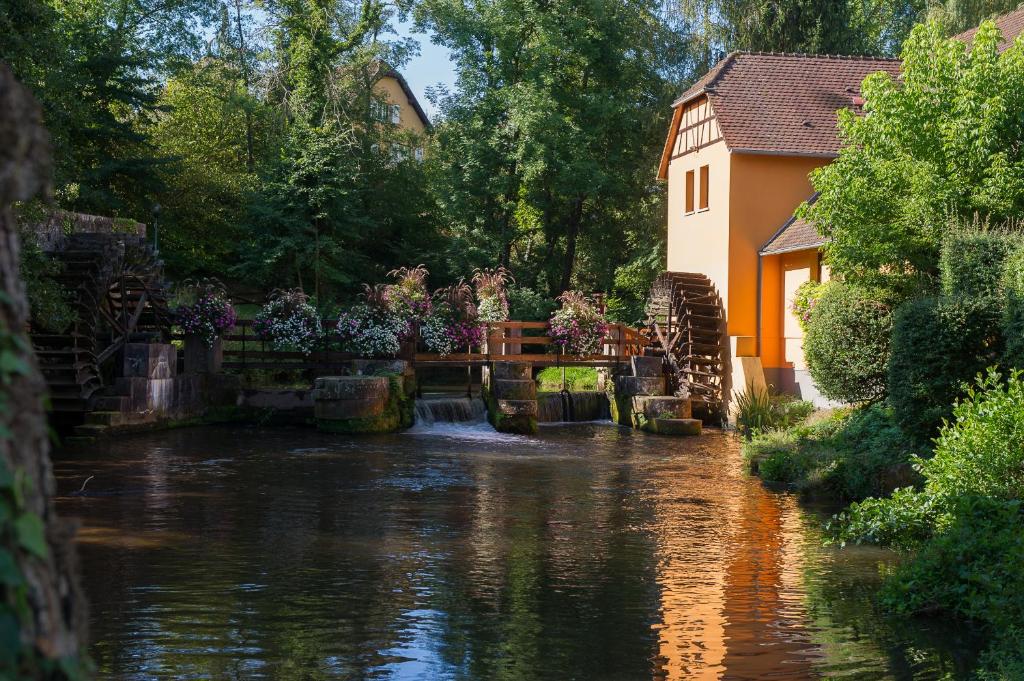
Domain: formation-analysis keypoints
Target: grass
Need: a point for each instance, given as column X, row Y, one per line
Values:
column 849, row 453
column 576, row 379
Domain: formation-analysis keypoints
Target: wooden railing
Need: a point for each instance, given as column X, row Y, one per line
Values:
column 505, row 341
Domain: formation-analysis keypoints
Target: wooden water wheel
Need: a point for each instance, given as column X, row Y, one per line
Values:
column 686, row 325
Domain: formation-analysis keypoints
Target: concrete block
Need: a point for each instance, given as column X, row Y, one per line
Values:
column 513, row 370
column 677, row 426
column 150, row 360
column 351, row 387
column 648, row 367
column 654, row 407
column 639, row 385
column 517, row 407
column 515, row 389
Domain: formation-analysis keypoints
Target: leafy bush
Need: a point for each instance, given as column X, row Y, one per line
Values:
column 938, row 344
column 289, row 322
column 982, row 452
column 577, row 327
column 850, row 454
column 847, row 343
column 408, row 296
column 873, row 454
column 972, row 568
column 904, row 520
column 1013, row 314
column 527, row 305
column 971, row 260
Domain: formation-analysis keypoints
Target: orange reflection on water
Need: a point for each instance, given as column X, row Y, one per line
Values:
column 729, row 572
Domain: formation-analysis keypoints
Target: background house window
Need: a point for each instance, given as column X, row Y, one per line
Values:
column 689, row 191
column 419, row 153
column 378, row 111
column 703, row 187
column 396, row 114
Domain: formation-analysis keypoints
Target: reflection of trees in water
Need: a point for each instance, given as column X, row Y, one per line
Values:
column 841, row 587
column 553, row 576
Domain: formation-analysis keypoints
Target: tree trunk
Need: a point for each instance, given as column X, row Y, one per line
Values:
column 572, row 236
column 52, row 627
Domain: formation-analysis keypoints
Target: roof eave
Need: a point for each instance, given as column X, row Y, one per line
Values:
column 793, row 249
column 784, row 152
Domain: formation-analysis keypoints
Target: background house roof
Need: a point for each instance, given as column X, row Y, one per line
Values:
column 784, row 104
column 795, row 235
column 1010, row 25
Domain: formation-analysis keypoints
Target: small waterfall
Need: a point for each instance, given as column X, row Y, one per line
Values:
column 590, row 405
column 449, row 410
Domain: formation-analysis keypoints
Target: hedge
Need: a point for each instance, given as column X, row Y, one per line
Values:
column 938, row 345
column 971, row 261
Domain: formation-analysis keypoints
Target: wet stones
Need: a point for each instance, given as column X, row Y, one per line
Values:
column 629, row 386
column 647, row 367
column 654, row 407
column 512, row 404
column 677, row 426
column 355, row 404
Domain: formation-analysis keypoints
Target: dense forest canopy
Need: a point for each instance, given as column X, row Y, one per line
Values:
column 251, row 125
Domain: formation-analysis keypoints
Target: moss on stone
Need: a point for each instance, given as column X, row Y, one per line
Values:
column 398, row 414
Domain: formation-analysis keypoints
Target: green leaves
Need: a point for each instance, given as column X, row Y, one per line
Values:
column 31, row 534
column 943, row 139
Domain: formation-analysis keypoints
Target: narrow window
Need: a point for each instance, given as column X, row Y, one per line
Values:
column 689, row 191
column 703, row 187
column 419, row 154
column 396, row 114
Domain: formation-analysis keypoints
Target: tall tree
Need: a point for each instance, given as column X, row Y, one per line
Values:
column 546, row 155
column 42, row 612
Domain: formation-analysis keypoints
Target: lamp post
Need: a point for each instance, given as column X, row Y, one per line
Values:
column 156, row 228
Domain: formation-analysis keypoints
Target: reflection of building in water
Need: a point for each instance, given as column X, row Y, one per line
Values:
column 729, row 575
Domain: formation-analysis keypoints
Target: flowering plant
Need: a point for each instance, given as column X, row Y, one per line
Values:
column 804, row 300
column 454, row 322
column 408, row 296
column 492, row 303
column 289, row 322
column 577, row 327
column 205, row 312
column 372, row 331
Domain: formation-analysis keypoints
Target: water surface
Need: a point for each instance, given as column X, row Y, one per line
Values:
column 452, row 552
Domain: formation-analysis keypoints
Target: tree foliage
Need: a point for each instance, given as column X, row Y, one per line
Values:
column 942, row 139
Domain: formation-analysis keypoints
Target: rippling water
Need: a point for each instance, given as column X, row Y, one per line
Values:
column 589, row 552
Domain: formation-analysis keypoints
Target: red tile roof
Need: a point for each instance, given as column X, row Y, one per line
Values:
column 795, row 235
column 1010, row 25
column 783, row 104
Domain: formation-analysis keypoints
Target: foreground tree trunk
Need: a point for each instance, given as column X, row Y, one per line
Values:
column 42, row 612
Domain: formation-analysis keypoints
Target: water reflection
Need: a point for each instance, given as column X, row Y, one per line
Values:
column 590, row 552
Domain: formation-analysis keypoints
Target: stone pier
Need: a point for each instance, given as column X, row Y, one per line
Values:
column 361, row 404
column 512, row 398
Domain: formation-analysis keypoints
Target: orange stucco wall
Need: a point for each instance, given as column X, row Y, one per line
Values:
column 781, row 335
column 764, row 191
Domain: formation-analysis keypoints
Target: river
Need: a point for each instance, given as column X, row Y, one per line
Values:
column 451, row 552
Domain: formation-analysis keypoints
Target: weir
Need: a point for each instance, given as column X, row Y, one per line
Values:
column 565, row 406
column 431, row 410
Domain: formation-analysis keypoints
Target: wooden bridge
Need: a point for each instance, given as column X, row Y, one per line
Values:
column 505, row 342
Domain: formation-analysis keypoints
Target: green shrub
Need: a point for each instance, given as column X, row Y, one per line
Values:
column 847, row 343
column 973, row 567
column 872, row 455
column 904, row 520
column 849, row 454
column 982, row 451
column 938, row 344
column 971, row 261
column 1013, row 315
column 804, row 300
column 47, row 298
column 527, row 305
